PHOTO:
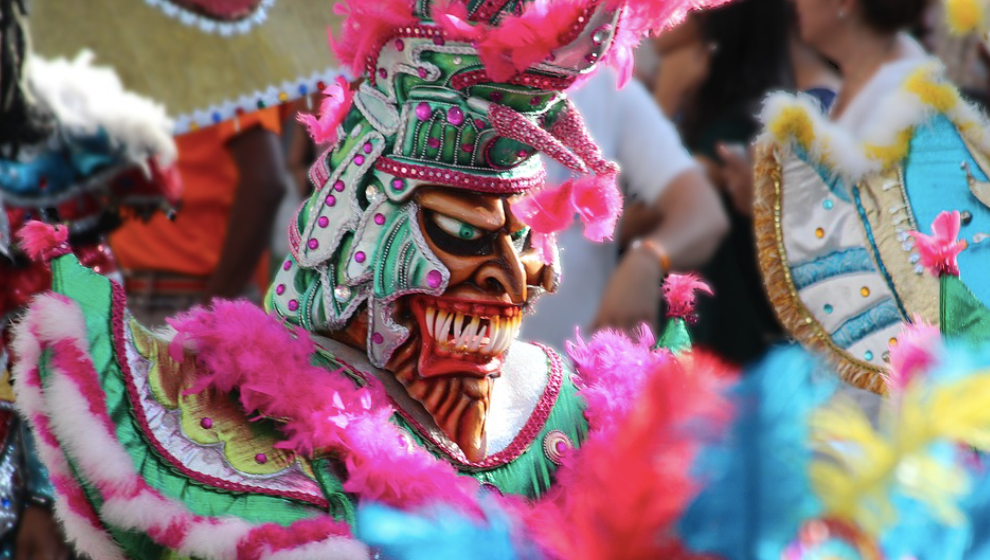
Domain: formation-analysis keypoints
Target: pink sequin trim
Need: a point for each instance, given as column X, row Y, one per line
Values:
column 526, row 436
column 460, row 179
column 474, row 77
column 512, row 125
column 119, row 340
column 572, row 132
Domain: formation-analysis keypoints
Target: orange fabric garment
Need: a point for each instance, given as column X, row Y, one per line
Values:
column 192, row 244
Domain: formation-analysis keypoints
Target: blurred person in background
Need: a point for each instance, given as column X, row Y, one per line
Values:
column 680, row 219
column 235, row 176
column 714, row 73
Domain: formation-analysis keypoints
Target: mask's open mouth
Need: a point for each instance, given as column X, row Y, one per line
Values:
column 463, row 336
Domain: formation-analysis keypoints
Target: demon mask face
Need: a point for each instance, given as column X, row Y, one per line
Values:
column 423, row 243
column 459, row 338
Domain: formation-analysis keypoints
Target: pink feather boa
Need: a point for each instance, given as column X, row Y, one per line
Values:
column 625, row 485
column 620, row 494
column 241, row 348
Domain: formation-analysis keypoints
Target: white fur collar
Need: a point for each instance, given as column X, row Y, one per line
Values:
column 85, row 97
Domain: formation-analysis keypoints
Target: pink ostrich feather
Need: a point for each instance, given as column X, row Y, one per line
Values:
column 244, row 349
column 520, row 41
column 621, row 493
column 366, row 25
column 915, row 353
column 595, row 199
column 333, row 111
column 43, row 242
column 939, row 252
column 681, row 293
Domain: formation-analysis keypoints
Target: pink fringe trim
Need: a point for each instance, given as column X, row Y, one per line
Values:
column 127, row 497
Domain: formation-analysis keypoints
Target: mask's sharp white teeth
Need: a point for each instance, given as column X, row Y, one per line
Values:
column 489, row 346
column 479, row 332
column 466, row 335
column 501, row 328
column 458, row 326
column 431, row 316
column 443, row 332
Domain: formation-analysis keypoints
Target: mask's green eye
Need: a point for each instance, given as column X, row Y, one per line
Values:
column 520, row 235
column 457, row 228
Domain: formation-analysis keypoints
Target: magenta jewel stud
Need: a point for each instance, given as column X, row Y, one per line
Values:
column 438, row 41
column 313, row 243
column 434, row 278
column 323, row 221
column 398, row 185
column 330, row 200
column 367, row 148
column 380, row 219
column 261, row 458
column 455, row 116
column 421, row 72
column 287, row 265
column 382, row 73
column 206, row 423
column 293, row 305
column 423, row 111
column 480, row 124
column 360, row 256
column 377, row 338
column 433, row 143
column 495, row 96
column 339, row 186
column 400, row 45
column 358, row 160
column 280, row 289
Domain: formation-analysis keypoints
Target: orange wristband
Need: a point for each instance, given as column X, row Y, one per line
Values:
column 656, row 250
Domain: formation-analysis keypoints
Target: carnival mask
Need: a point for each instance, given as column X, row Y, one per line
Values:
column 458, row 339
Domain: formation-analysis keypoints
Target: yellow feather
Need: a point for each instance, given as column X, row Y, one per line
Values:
column 964, row 16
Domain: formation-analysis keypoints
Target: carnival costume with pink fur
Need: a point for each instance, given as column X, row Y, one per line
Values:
column 383, row 408
column 387, row 369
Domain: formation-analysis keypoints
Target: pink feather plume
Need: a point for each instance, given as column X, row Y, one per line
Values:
column 242, row 350
column 43, row 242
column 681, row 293
column 620, row 495
column 915, row 353
column 595, row 199
column 939, row 252
column 333, row 110
column 520, row 41
column 366, row 25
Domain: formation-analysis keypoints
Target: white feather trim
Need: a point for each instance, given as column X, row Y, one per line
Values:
column 106, row 464
column 84, row 97
column 900, row 111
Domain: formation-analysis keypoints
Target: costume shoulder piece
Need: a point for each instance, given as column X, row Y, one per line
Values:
column 835, row 215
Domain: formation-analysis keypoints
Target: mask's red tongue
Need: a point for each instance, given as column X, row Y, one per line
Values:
column 222, row 10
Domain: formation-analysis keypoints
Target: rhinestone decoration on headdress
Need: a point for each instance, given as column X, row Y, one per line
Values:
column 456, row 93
